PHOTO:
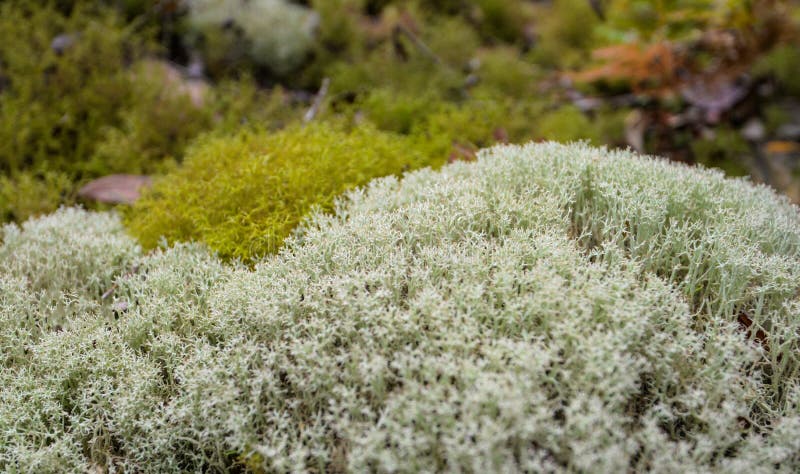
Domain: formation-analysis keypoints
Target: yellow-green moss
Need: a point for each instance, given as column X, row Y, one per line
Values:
column 568, row 123
column 55, row 105
column 26, row 194
column 565, row 34
column 243, row 195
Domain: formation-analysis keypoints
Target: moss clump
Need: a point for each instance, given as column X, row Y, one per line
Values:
column 783, row 64
column 504, row 72
column 82, row 96
column 243, row 195
column 56, row 101
column 565, row 34
column 725, row 149
column 547, row 309
column 500, row 19
column 170, row 113
column 26, row 194
column 568, row 123
column 152, row 131
column 72, row 108
column 395, row 112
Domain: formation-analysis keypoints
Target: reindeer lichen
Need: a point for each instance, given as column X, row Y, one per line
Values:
column 548, row 308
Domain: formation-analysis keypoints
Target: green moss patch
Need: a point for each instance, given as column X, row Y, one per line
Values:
column 243, row 195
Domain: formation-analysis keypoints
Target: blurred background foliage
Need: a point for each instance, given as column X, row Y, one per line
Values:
column 93, row 88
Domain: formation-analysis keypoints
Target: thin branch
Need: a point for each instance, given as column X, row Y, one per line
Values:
column 318, row 101
column 420, row 45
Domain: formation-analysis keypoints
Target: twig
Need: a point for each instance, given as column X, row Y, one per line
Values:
column 419, row 43
column 318, row 100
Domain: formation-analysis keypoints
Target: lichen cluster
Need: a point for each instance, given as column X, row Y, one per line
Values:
column 548, row 308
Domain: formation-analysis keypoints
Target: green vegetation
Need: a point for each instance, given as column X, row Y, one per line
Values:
column 56, row 102
column 242, row 195
column 548, row 308
column 81, row 97
column 783, row 63
column 94, row 88
column 329, row 275
column 726, row 150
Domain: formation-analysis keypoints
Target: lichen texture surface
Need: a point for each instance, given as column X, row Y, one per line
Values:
column 548, row 308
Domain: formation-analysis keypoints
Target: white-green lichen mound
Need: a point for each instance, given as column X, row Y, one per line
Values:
column 547, row 309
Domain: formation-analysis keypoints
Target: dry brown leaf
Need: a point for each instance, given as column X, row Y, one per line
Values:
column 115, row 188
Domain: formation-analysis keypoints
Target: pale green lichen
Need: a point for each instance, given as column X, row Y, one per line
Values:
column 276, row 33
column 547, row 309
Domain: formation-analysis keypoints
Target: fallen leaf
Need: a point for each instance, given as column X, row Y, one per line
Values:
column 115, row 188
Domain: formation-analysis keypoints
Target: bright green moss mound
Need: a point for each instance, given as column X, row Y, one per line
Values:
column 243, row 195
column 547, row 309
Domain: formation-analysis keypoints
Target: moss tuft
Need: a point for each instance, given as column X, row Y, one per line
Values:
column 243, row 195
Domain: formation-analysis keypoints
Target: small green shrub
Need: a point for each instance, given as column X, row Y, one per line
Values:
column 339, row 38
column 395, row 112
column 452, row 39
column 474, row 123
column 381, row 68
column 547, row 309
column 167, row 117
column 243, row 195
column 430, row 115
column 502, row 71
column 500, row 19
